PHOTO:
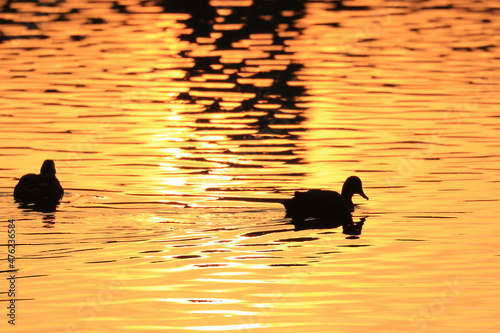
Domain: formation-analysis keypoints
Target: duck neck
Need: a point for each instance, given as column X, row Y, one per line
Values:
column 347, row 196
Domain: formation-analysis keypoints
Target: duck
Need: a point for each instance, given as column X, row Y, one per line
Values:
column 324, row 206
column 43, row 190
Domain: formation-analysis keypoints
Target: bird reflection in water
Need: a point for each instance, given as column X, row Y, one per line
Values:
column 349, row 226
column 49, row 220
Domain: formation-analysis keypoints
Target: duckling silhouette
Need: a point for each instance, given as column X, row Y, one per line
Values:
column 325, row 208
column 43, row 190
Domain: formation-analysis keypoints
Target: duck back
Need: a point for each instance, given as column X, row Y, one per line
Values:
column 318, row 204
column 38, row 189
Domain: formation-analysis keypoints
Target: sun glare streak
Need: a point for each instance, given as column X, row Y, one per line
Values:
column 226, row 312
column 227, row 327
column 202, row 300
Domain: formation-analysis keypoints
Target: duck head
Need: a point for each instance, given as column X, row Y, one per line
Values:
column 353, row 185
column 48, row 167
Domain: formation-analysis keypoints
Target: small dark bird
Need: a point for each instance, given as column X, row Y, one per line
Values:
column 43, row 190
column 327, row 207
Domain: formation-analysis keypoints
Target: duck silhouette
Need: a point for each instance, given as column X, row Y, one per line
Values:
column 43, row 190
column 324, row 208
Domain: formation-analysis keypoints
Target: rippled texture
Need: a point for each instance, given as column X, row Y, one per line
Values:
column 177, row 129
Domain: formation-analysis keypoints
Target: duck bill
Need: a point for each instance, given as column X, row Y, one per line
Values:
column 361, row 193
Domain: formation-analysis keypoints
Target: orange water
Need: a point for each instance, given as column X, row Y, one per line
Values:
column 170, row 221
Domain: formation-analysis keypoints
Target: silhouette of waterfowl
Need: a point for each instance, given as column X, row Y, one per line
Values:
column 322, row 208
column 43, row 191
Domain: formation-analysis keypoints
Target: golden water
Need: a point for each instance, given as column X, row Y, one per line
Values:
column 176, row 131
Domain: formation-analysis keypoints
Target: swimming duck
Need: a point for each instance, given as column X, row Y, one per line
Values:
column 43, row 190
column 325, row 206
